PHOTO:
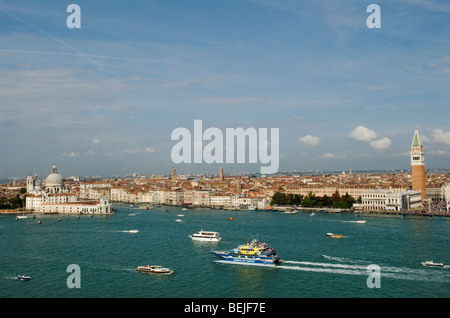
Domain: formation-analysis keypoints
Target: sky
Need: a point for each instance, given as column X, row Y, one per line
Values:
column 104, row 99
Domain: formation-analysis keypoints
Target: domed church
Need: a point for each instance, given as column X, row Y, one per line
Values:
column 54, row 183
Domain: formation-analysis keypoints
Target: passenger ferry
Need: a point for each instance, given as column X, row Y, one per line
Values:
column 252, row 253
column 206, row 236
column 154, row 269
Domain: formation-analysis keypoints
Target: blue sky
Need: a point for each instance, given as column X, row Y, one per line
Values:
column 104, row 99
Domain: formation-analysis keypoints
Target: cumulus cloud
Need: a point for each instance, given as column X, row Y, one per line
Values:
column 310, row 141
column 440, row 137
column 364, row 134
column 332, row 156
column 136, row 150
column 381, row 144
column 71, row 154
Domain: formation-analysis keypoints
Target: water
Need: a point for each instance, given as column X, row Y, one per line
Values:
column 108, row 252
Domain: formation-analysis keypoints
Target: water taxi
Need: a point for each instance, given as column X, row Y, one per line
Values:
column 23, row 277
column 432, row 264
column 252, row 253
column 154, row 269
column 206, row 236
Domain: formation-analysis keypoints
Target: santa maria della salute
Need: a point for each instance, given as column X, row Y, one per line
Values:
column 54, row 197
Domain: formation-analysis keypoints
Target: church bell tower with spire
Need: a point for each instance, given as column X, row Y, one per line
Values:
column 418, row 166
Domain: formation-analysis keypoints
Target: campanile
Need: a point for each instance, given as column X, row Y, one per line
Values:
column 418, row 166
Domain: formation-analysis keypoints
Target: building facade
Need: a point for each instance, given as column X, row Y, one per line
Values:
column 384, row 200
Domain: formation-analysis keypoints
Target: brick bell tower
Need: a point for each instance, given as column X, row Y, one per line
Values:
column 418, row 166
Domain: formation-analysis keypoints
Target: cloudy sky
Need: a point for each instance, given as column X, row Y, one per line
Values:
column 104, row 98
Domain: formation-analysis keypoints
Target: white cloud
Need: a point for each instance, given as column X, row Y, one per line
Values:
column 381, row 144
column 310, row 141
column 440, row 152
column 332, row 156
column 70, row 154
column 136, row 150
column 95, row 141
column 440, row 137
column 362, row 133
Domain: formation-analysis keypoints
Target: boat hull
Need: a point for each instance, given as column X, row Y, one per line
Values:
column 205, row 239
column 155, row 270
column 245, row 260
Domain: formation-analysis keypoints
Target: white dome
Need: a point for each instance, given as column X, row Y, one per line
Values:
column 54, row 179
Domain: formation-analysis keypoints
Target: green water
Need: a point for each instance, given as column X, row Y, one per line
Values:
column 107, row 255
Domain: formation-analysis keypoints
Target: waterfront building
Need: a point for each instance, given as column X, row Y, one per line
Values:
column 94, row 190
column 221, row 200
column 101, row 206
column 385, row 200
column 35, row 201
column 418, row 166
column 446, row 191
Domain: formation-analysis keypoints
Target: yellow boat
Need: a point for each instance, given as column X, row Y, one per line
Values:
column 334, row 235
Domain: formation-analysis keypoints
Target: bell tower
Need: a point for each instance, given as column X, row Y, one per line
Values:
column 418, row 166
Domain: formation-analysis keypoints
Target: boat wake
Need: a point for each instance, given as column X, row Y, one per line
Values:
column 130, row 231
column 357, row 222
column 358, row 268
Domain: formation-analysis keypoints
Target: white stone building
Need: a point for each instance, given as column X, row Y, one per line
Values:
column 101, row 206
column 384, row 200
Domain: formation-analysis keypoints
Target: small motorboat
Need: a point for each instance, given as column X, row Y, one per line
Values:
column 23, row 277
column 154, row 269
column 334, row 235
column 231, row 219
column 432, row 264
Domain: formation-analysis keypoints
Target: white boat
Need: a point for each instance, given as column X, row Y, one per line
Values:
column 432, row 264
column 206, row 236
column 23, row 277
column 361, row 221
column 21, row 217
column 154, row 269
column 334, row 235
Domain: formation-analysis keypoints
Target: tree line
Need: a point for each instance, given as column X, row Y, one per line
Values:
column 312, row 201
column 14, row 202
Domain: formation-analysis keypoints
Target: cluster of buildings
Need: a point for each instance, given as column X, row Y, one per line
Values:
column 400, row 191
column 55, row 197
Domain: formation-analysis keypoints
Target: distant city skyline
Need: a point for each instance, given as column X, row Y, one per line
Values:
column 103, row 99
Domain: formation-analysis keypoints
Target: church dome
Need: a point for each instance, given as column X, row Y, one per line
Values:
column 54, row 179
